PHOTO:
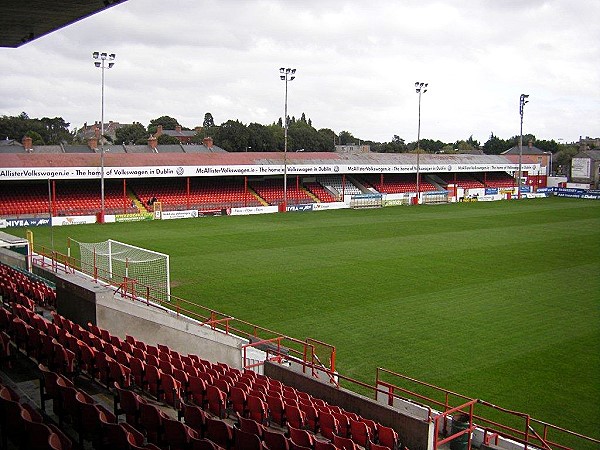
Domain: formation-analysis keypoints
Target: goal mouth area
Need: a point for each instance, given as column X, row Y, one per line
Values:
column 117, row 262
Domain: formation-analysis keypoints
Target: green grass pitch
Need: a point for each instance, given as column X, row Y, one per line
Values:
column 498, row 301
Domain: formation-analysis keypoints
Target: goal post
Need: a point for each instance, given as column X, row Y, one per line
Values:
column 117, row 262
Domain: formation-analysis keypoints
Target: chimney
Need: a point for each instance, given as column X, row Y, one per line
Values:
column 178, row 128
column 159, row 130
column 93, row 143
column 97, row 133
column 208, row 142
column 152, row 142
column 27, row 144
column 530, row 143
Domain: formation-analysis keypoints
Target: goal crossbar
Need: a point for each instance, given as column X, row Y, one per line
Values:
column 119, row 261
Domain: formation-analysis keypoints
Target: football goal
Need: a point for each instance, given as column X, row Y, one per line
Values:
column 117, row 263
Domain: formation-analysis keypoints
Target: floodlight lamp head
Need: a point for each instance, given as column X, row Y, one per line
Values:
column 282, row 77
column 282, row 69
column 110, row 65
column 426, row 84
column 416, row 84
column 293, row 70
column 112, row 56
column 95, row 55
column 103, row 55
column 97, row 64
column 291, row 78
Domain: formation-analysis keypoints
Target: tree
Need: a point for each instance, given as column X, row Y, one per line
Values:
column 208, row 122
column 473, row 143
column 547, row 146
column 261, row 138
column 232, row 136
column 327, row 138
column 167, row 122
column 301, row 136
column 561, row 160
column 396, row 145
column 494, row 145
column 165, row 139
column 36, row 138
column 57, row 130
column 427, row 146
column 465, row 146
column 346, row 138
column 131, row 134
column 277, row 134
column 51, row 130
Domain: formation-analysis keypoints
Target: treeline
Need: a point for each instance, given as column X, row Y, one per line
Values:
column 44, row 131
column 234, row 136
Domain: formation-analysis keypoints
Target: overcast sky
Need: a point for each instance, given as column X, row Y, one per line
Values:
column 356, row 61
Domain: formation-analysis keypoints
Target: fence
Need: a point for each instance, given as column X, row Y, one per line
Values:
column 311, row 351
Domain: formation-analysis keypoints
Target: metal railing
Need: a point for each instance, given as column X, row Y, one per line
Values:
column 491, row 423
column 131, row 289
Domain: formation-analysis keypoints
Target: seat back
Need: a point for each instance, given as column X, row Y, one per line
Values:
column 219, row 432
column 301, row 437
column 276, row 409
column 328, row 424
column 274, row 440
column 344, row 443
column 245, row 440
column 216, row 401
column 387, row 436
column 359, row 433
column 257, row 409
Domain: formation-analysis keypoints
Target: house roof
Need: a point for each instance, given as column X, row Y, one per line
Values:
column 12, row 146
column 527, row 150
column 182, row 133
column 140, row 159
column 592, row 154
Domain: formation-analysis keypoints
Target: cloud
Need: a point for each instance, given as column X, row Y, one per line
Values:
column 357, row 63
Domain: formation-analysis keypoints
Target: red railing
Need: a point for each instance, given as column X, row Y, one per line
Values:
column 493, row 429
column 304, row 353
column 468, row 430
column 131, row 289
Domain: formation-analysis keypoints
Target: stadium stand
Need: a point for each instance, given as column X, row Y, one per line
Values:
column 397, row 183
column 68, row 198
column 272, row 191
column 338, row 185
column 498, row 180
column 97, row 399
column 203, row 193
column 464, row 180
column 320, row 192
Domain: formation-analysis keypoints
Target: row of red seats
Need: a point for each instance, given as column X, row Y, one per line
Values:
column 25, row 426
column 14, row 284
column 397, row 183
column 271, row 190
column 68, row 198
column 183, row 379
column 90, row 420
column 320, row 192
column 222, row 390
column 202, row 194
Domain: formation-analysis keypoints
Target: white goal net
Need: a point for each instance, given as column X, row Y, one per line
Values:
column 118, row 262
